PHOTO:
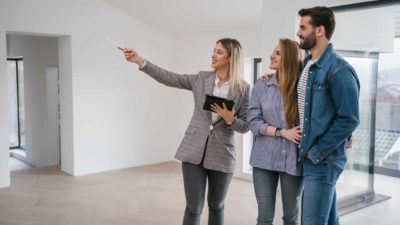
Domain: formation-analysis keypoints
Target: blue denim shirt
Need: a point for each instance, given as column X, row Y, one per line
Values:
column 331, row 111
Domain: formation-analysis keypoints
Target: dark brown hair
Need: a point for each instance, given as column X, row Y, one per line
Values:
column 321, row 16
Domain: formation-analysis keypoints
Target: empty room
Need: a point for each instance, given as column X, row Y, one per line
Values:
column 144, row 112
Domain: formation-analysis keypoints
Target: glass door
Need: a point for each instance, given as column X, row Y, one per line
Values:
column 355, row 187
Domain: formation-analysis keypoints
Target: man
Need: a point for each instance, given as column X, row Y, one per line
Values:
column 328, row 91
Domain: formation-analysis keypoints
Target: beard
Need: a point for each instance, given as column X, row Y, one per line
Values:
column 308, row 42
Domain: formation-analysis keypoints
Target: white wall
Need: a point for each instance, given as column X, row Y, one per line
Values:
column 368, row 30
column 193, row 53
column 278, row 22
column 39, row 53
column 66, row 105
column 108, row 116
column 4, row 153
column 53, row 127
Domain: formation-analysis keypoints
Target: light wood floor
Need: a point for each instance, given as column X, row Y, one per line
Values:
column 148, row 195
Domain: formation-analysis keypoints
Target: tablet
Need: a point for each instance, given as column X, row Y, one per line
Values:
column 218, row 100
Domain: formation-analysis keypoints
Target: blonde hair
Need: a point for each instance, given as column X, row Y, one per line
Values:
column 290, row 67
column 234, row 49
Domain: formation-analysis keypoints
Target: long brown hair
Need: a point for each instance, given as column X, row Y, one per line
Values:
column 290, row 67
column 234, row 49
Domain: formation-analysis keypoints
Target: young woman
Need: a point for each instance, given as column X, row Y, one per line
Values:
column 273, row 119
column 207, row 150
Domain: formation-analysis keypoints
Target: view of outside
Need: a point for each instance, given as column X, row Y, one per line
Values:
column 12, row 104
column 16, row 134
column 355, row 178
column 359, row 154
column 387, row 153
column 387, row 130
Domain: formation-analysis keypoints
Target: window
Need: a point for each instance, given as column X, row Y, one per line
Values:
column 16, row 109
column 387, row 140
column 252, row 70
column 356, row 178
column 257, row 69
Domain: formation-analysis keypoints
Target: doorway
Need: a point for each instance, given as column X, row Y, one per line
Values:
column 33, row 94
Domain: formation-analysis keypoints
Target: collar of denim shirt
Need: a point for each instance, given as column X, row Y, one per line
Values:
column 324, row 58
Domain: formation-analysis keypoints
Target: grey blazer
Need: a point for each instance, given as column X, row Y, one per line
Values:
column 220, row 152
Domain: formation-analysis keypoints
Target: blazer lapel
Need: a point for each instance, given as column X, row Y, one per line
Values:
column 234, row 98
column 209, row 83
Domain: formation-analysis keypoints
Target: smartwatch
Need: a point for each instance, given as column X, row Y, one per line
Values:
column 278, row 132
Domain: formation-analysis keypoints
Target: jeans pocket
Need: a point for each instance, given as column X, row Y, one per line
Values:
column 333, row 172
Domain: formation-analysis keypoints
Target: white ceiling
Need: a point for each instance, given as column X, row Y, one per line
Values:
column 187, row 17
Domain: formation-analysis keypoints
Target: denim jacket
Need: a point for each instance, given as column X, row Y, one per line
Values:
column 331, row 111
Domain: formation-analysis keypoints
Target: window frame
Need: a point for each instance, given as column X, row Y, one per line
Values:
column 17, row 61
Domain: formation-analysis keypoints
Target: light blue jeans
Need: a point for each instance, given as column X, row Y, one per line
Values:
column 319, row 200
column 265, row 186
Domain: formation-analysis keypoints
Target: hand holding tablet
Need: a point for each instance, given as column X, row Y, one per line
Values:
column 210, row 100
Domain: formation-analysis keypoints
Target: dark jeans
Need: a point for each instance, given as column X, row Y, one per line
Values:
column 195, row 179
column 265, row 186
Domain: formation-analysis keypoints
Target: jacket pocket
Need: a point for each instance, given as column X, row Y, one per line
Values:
column 320, row 94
